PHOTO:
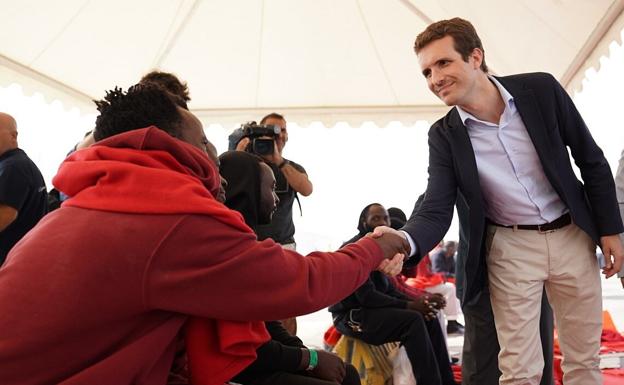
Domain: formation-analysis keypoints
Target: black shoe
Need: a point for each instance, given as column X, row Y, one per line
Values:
column 454, row 327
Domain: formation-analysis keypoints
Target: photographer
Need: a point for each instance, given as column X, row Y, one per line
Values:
column 291, row 178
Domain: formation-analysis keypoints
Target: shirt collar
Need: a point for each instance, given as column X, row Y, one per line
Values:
column 505, row 95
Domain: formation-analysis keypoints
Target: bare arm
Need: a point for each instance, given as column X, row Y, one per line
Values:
column 7, row 215
column 295, row 174
column 297, row 180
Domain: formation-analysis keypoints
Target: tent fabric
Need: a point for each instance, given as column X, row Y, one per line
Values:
column 325, row 60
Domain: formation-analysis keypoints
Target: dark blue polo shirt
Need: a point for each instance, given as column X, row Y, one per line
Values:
column 23, row 188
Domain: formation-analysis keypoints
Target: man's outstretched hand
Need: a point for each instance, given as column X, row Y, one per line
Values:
column 391, row 242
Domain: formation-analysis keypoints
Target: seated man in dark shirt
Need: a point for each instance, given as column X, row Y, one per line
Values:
column 23, row 194
column 443, row 260
column 377, row 313
column 284, row 359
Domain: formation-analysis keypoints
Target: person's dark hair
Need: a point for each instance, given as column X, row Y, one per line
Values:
column 362, row 221
column 397, row 217
column 450, row 244
column 143, row 105
column 464, row 36
column 243, row 191
column 272, row 115
column 170, row 83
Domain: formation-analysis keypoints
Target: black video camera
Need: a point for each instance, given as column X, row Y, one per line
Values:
column 261, row 137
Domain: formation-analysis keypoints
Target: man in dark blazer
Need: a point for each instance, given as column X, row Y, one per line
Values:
column 503, row 149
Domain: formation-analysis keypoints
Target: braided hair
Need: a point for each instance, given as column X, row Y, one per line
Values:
column 143, row 105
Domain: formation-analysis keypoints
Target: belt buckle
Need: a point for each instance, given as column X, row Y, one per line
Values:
column 540, row 231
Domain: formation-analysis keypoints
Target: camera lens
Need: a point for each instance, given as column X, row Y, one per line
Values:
column 263, row 146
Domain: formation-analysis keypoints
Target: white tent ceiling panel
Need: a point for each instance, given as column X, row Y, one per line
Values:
column 319, row 60
column 217, row 53
column 28, row 27
column 103, row 47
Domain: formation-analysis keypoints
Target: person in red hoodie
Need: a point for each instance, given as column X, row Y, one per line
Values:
column 99, row 290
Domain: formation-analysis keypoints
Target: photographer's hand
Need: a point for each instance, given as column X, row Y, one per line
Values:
column 276, row 157
column 242, row 144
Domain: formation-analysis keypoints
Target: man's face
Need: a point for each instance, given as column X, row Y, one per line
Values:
column 192, row 132
column 268, row 198
column 448, row 76
column 283, row 137
column 212, row 154
column 377, row 216
column 8, row 133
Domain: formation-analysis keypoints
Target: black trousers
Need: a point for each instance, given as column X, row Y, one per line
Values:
column 283, row 378
column 423, row 341
column 480, row 351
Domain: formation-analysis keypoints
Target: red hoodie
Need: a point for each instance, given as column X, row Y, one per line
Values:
column 97, row 292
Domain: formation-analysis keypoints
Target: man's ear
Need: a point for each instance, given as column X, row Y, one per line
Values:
column 477, row 56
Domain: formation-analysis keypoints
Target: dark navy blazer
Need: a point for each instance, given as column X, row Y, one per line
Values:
column 554, row 126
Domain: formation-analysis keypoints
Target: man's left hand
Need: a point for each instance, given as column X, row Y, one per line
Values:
column 613, row 253
column 392, row 267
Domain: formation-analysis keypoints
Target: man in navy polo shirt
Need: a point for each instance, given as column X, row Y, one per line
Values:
column 23, row 197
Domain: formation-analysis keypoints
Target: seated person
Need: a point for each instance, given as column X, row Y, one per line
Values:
column 443, row 260
column 284, row 359
column 437, row 283
column 375, row 215
column 397, row 218
column 99, row 290
column 377, row 313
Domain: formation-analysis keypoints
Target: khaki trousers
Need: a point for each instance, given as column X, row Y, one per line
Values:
column 522, row 262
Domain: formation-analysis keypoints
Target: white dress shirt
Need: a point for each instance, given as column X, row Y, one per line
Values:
column 514, row 186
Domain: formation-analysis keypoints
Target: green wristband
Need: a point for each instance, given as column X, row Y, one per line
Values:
column 313, row 359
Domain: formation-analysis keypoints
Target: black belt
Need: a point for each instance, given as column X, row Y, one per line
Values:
column 558, row 223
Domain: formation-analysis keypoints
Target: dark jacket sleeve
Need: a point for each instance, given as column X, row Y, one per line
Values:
column 589, row 158
column 279, row 334
column 431, row 219
column 273, row 356
column 281, row 353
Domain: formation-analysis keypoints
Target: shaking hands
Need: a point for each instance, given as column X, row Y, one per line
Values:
column 394, row 246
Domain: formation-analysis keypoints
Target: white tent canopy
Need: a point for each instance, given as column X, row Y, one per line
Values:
column 323, row 60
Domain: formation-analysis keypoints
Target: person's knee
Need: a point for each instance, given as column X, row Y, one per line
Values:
column 352, row 376
column 416, row 323
column 451, row 289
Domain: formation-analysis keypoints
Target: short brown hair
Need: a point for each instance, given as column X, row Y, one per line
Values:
column 272, row 115
column 463, row 33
